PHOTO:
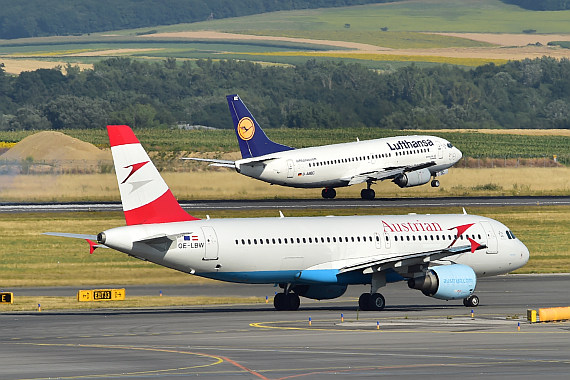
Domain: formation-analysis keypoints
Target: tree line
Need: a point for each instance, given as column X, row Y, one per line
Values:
column 541, row 5
column 329, row 94
column 37, row 18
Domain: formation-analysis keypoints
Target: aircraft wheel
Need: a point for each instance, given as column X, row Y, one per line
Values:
column 367, row 194
column 364, row 301
column 293, row 302
column 280, row 301
column 435, row 183
column 328, row 193
column 377, row 302
column 471, row 301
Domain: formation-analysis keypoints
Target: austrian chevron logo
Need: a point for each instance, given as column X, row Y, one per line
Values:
column 134, row 169
column 460, row 230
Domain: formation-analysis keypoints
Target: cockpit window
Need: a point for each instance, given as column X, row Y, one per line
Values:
column 510, row 235
column 449, row 145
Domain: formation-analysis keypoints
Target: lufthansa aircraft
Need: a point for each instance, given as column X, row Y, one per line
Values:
column 406, row 160
column 313, row 257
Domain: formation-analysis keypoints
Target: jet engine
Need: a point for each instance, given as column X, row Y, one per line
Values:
column 320, row 292
column 446, row 282
column 414, row 178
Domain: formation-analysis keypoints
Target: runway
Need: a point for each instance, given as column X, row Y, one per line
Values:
column 283, row 204
column 415, row 336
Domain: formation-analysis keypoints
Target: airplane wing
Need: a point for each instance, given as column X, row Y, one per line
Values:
column 213, row 162
column 380, row 264
column 387, row 173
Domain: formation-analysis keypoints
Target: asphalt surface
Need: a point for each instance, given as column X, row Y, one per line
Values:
column 415, row 336
column 283, row 204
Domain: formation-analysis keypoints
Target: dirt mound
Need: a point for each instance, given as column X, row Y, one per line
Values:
column 49, row 146
column 54, row 153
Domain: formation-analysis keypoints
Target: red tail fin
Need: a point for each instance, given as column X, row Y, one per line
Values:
column 145, row 196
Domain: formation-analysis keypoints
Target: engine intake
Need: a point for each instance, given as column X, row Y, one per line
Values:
column 446, row 282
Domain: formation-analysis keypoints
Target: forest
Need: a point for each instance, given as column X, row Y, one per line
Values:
column 541, row 5
column 520, row 94
column 37, row 18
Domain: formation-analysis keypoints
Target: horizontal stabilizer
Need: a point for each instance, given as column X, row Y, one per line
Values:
column 213, row 162
column 74, row 236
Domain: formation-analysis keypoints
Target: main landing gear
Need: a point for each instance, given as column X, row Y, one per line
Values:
column 371, row 302
column 367, row 193
column 286, row 300
column 328, row 193
column 435, row 183
column 471, row 301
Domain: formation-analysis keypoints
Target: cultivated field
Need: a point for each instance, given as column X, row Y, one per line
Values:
column 227, row 184
column 427, row 31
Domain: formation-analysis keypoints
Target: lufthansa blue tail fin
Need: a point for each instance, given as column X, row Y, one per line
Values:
column 253, row 142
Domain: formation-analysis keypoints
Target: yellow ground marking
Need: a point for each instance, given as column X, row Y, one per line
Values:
column 273, row 325
column 218, row 359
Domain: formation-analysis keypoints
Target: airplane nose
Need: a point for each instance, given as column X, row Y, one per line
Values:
column 525, row 254
column 458, row 154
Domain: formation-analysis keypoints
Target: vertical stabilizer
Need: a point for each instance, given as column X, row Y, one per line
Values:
column 253, row 142
column 145, row 196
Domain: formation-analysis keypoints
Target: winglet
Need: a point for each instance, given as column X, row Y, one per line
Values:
column 145, row 196
column 253, row 142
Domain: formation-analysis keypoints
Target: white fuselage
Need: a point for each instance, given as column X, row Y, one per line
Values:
column 335, row 165
column 278, row 250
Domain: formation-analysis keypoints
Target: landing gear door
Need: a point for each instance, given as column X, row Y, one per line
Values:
column 290, row 168
column 211, row 240
column 492, row 246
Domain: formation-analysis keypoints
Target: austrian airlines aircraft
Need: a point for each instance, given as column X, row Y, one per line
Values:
column 313, row 257
column 406, row 160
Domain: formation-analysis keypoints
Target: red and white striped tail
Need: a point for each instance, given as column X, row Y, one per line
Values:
column 145, row 196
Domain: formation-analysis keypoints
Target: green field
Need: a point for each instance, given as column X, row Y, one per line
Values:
column 480, row 16
column 471, row 143
column 405, row 21
column 28, row 258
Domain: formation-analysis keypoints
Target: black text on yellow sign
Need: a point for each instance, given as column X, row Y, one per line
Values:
column 101, row 295
column 6, row 297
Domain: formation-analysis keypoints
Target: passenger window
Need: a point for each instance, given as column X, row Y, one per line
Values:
column 279, row 240
column 238, row 242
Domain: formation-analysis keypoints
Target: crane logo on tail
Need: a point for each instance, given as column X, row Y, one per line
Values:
column 246, row 129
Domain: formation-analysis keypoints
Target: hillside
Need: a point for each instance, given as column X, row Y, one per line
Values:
column 57, row 17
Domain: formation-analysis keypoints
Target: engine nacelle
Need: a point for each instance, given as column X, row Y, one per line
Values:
column 415, row 178
column 446, row 282
column 320, row 292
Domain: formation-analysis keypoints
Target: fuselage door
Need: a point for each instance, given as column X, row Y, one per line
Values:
column 290, row 168
column 439, row 151
column 211, row 240
column 492, row 246
column 378, row 240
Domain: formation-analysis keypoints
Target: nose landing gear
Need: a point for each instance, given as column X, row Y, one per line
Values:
column 367, row 193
